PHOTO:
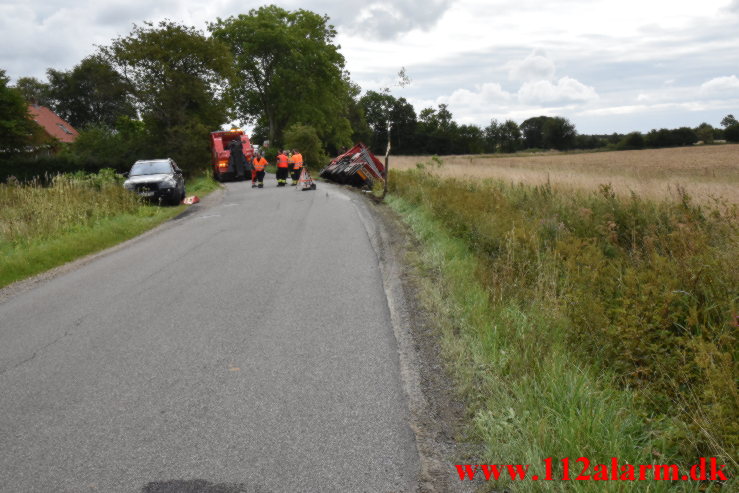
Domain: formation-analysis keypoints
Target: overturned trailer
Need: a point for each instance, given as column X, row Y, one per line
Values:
column 357, row 167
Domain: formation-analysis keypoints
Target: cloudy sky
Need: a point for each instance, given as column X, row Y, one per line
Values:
column 606, row 65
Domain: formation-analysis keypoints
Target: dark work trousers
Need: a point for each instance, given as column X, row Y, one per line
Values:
column 260, row 178
column 281, row 176
column 296, row 174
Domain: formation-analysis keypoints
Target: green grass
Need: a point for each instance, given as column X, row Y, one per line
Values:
column 44, row 227
column 543, row 346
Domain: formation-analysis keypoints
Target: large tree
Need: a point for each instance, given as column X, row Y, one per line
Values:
column 381, row 108
column 16, row 125
column 92, row 93
column 288, row 71
column 179, row 79
column 533, row 132
column 728, row 121
column 559, row 133
column 492, row 135
column 510, row 136
column 33, row 90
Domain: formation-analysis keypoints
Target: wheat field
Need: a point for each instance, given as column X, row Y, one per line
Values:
column 706, row 172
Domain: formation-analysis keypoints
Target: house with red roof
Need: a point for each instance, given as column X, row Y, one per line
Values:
column 54, row 128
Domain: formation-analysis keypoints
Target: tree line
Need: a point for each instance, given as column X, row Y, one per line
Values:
column 161, row 89
column 434, row 131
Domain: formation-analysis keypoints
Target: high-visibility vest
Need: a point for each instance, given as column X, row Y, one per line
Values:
column 259, row 164
column 297, row 161
column 281, row 161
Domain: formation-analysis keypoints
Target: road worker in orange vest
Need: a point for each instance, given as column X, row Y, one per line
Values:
column 259, row 164
column 297, row 167
column 282, row 168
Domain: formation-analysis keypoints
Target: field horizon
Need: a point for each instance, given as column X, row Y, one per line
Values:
column 708, row 173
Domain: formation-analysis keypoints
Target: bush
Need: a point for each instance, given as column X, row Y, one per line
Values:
column 305, row 139
column 634, row 140
column 27, row 167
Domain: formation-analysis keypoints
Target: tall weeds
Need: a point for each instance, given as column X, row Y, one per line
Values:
column 31, row 211
column 643, row 292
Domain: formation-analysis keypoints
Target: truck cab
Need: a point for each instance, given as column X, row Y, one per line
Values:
column 220, row 153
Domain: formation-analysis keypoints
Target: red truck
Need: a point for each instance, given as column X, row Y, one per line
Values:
column 220, row 152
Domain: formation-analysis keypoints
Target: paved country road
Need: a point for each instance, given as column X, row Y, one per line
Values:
column 244, row 347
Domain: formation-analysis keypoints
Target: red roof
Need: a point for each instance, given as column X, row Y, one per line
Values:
column 52, row 124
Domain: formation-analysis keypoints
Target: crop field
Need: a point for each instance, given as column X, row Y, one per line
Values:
column 577, row 321
column 705, row 172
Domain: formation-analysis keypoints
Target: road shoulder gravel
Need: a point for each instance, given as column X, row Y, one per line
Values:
column 436, row 413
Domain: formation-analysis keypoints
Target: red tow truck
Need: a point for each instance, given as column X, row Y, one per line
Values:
column 220, row 152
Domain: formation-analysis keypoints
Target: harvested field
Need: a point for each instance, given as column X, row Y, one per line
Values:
column 706, row 172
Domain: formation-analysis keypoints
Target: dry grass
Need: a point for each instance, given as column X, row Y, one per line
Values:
column 705, row 172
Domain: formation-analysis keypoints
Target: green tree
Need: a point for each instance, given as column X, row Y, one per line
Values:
column 533, row 132
column 559, row 133
column 704, row 131
column 16, row 125
column 92, row 93
column 634, row 140
column 379, row 109
column 731, row 134
column 288, row 71
column 306, row 140
column 510, row 136
column 34, row 91
column 361, row 131
column 179, row 79
column 493, row 136
column 437, row 131
column 470, row 139
column 728, row 121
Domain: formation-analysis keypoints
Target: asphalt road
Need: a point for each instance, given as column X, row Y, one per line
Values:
column 244, row 347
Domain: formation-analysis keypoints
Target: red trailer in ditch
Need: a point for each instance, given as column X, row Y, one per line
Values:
column 220, row 153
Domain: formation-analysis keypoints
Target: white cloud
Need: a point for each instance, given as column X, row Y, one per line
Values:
column 380, row 18
column 486, row 94
column 721, row 86
column 546, row 92
column 534, row 67
column 475, row 55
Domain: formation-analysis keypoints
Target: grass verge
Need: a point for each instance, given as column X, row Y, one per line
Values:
column 44, row 227
column 512, row 302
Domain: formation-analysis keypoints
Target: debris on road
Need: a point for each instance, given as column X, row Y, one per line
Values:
column 357, row 167
column 192, row 199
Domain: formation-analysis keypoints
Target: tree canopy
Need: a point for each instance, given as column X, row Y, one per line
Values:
column 16, row 125
column 179, row 79
column 288, row 71
column 92, row 93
